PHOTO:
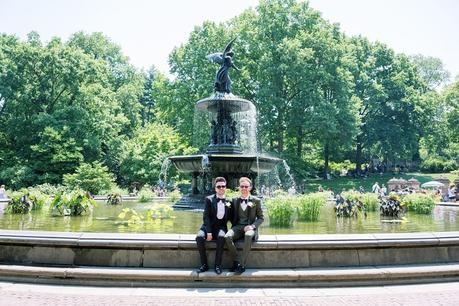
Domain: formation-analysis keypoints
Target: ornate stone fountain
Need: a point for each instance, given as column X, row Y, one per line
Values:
column 232, row 151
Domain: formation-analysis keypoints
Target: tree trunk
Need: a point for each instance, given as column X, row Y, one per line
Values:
column 358, row 156
column 326, row 159
column 299, row 142
column 280, row 133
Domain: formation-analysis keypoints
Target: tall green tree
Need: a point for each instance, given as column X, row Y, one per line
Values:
column 431, row 70
column 62, row 104
column 144, row 154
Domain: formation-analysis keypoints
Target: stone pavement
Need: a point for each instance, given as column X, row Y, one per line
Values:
column 416, row 295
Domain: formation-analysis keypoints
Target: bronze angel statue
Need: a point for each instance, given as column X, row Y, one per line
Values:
column 225, row 59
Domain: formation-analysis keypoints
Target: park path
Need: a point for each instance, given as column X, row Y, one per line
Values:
column 443, row 294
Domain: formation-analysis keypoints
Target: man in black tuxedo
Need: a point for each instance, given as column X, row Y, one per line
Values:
column 247, row 216
column 216, row 216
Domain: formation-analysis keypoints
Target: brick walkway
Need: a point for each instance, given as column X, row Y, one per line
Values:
column 416, row 295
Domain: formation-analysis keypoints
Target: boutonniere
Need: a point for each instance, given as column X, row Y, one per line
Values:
column 250, row 204
column 228, row 204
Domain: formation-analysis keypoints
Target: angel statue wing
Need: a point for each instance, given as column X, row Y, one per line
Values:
column 228, row 47
column 216, row 58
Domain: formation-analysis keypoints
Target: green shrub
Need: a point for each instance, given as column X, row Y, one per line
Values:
column 280, row 193
column 19, row 202
column 338, row 168
column 74, row 203
column 90, row 177
column 351, row 195
column 308, row 206
column 17, row 176
column 370, row 201
column 175, row 195
column 25, row 200
column 281, row 211
column 48, row 189
column 437, row 165
column 419, row 203
column 146, row 194
column 115, row 189
column 38, row 198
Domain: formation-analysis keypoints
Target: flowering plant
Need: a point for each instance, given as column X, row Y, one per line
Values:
column 228, row 204
column 250, row 204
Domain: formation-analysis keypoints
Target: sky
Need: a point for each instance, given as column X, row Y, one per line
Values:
column 148, row 30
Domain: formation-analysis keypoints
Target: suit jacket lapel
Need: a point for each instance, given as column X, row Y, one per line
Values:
column 214, row 204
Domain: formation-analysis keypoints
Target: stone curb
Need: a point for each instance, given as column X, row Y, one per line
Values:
column 187, row 241
column 328, row 277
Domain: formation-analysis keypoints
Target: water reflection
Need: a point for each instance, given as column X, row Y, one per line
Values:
column 104, row 218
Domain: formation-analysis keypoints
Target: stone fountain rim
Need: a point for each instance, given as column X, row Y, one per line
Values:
column 242, row 155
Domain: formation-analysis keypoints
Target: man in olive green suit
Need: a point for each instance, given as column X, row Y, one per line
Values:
column 247, row 216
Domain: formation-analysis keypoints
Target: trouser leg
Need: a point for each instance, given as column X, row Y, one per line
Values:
column 248, row 238
column 219, row 250
column 200, row 242
column 229, row 237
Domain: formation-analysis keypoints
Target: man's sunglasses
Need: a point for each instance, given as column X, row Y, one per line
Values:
column 220, row 186
column 244, row 186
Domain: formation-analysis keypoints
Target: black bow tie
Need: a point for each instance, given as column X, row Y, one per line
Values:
column 244, row 201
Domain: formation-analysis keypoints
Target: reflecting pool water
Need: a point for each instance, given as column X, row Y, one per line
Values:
column 104, row 218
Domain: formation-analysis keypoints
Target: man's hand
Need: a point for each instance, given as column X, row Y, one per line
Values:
column 209, row 237
column 248, row 228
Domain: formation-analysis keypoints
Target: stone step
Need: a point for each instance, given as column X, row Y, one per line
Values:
column 310, row 277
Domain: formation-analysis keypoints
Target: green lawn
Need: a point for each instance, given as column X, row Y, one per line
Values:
column 337, row 184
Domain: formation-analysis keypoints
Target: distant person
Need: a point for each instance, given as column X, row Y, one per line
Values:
column 247, row 216
column 383, row 190
column 215, row 218
column 376, row 189
column 451, row 195
column 292, row 191
column 2, row 192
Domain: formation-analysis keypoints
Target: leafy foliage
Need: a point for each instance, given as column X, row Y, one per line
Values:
column 159, row 211
column 146, row 151
column 91, row 177
column 146, row 194
column 281, row 211
column 419, row 203
column 391, row 206
column 175, row 195
column 74, row 203
column 131, row 216
column 25, row 200
column 308, row 206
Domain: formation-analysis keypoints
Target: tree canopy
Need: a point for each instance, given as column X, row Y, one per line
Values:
column 322, row 98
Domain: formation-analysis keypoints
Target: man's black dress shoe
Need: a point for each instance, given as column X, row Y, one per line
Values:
column 218, row 269
column 234, row 267
column 239, row 270
column 203, row 268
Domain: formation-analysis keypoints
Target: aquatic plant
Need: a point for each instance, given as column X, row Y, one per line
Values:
column 281, row 211
column 419, row 203
column 308, row 206
column 74, row 203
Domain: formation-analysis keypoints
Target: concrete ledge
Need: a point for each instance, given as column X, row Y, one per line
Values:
column 270, row 251
column 328, row 277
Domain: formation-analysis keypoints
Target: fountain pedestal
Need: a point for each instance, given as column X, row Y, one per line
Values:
column 225, row 156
